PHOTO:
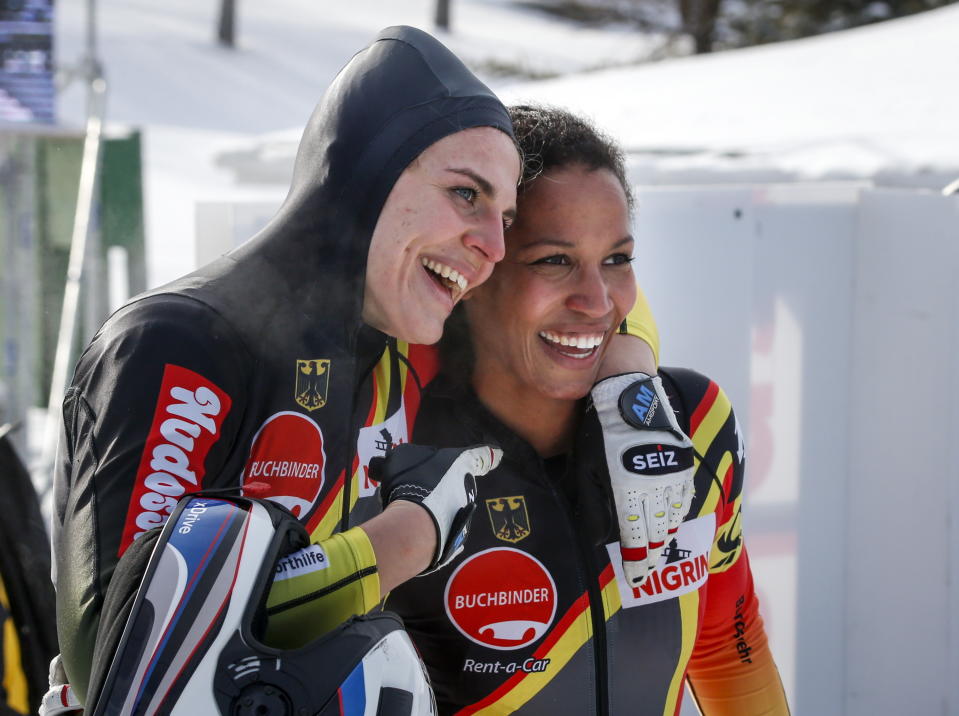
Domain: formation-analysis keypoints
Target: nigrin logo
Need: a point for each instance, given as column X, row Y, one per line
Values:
column 682, row 568
column 375, row 440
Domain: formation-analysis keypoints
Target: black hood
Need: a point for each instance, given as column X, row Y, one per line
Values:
column 394, row 99
column 251, row 322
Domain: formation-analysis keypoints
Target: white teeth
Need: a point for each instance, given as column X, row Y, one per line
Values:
column 446, row 272
column 581, row 341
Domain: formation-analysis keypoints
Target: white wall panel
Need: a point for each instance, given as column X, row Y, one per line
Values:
column 901, row 536
column 830, row 315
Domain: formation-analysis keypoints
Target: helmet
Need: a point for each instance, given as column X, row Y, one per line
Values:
column 190, row 643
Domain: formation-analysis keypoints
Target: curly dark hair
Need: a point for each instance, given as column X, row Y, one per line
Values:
column 552, row 138
column 548, row 138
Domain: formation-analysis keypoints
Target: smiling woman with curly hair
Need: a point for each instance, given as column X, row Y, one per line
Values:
column 537, row 615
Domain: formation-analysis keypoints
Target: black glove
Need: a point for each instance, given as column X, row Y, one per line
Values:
column 441, row 480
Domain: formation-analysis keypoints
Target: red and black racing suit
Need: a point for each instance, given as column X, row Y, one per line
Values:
column 257, row 367
column 534, row 618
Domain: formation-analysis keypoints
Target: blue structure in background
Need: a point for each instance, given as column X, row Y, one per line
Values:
column 26, row 61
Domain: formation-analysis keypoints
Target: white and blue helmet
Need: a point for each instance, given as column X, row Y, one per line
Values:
column 190, row 647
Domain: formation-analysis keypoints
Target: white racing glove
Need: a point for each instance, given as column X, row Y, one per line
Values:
column 60, row 698
column 650, row 462
column 443, row 481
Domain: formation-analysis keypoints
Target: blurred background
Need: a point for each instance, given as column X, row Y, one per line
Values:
column 796, row 164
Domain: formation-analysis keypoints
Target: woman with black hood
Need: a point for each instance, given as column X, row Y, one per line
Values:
column 278, row 369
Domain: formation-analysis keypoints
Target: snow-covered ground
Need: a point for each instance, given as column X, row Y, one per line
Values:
column 876, row 103
column 165, row 69
column 193, row 99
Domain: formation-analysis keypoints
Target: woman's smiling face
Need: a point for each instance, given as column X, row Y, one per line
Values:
column 542, row 322
column 440, row 232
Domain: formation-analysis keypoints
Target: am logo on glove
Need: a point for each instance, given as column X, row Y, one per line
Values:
column 642, row 408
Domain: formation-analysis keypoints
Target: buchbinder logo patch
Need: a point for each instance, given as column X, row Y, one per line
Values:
column 287, row 455
column 501, row 598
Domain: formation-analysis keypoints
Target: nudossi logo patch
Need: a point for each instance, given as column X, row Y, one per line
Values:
column 186, row 422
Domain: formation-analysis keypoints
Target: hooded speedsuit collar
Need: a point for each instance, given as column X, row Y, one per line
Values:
column 394, row 99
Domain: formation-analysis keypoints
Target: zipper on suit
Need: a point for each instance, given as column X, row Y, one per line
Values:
column 598, row 615
column 596, row 612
